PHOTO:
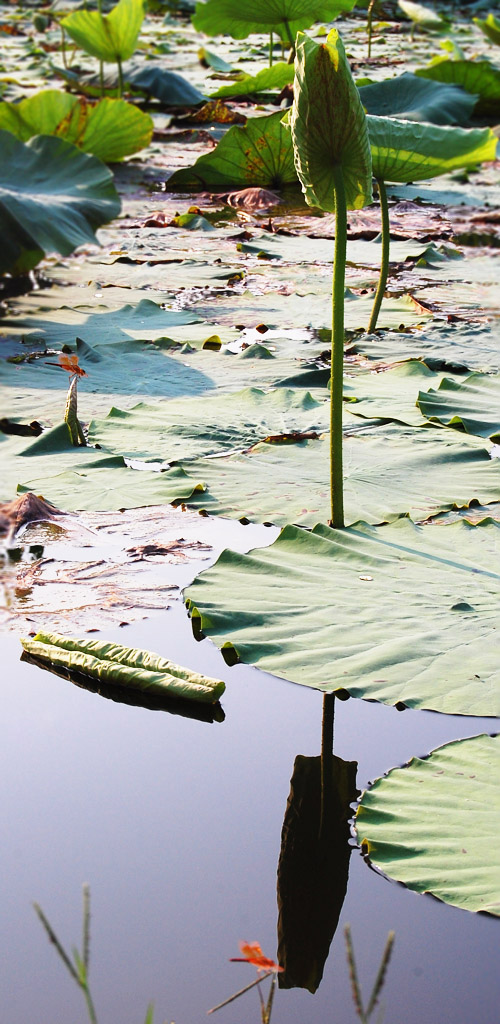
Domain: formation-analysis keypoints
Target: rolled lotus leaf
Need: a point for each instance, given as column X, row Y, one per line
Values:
column 124, row 666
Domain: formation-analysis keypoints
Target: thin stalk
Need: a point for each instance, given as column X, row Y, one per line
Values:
column 63, row 47
column 270, row 49
column 291, row 40
column 379, row 980
column 370, row 26
column 355, row 986
column 384, row 266
column 120, row 77
column 269, row 1006
column 337, row 359
column 90, row 1005
column 240, row 992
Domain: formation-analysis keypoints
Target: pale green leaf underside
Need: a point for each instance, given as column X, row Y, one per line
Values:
column 328, row 125
column 388, row 471
column 408, row 151
column 237, row 19
column 453, row 852
column 274, row 78
column 490, row 27
column 110, row 129
column 260, row 153
column 397, row 613
column 472, row 405
column 109, row 37
column 124, row 666
column 423, row 16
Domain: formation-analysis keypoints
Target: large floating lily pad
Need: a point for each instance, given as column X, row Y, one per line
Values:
column 393, row 393
column 397, row 613
column 388, row 471
column 84, row 478
column 176, row 430
column 452, row 853
column 478, row 77
column 472, row 405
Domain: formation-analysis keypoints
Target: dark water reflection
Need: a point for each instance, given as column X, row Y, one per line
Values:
column 176, row 824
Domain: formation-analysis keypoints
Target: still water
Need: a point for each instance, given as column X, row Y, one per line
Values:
column 176, row 825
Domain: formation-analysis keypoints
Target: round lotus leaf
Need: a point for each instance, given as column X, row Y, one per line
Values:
column 434, row 824
column 402, row 614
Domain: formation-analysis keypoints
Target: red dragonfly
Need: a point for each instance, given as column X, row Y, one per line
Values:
column 252, row 954
column 69, row 362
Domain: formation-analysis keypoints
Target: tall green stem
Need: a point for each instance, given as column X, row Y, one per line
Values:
column 370, row 26
column 384, row 266
column 270, row 49
column 120, row 78
column 291, row 40
column 337, row 360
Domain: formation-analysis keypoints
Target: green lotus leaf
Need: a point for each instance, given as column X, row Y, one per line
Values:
column 418, row 99
column 178, row 429
column 109, row 37
column 396, row 613
column 475, row 76
column 472, row 405
column 259, row 153
column 110, row 129
column 286, row 17
column 52, row 198
column 167, row 86
column 328, row 125
column 123, row 666
column 422, row 16
column 408, row 151
column 453, row 852
column 267, row 80
column 389, row 471
column 490, row 27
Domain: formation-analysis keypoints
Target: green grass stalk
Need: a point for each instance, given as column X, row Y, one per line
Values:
column 384, row 266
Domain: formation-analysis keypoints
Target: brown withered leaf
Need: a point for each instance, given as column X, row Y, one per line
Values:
column 251, row 199
column 27, row 508
column 215, row 112
column 98, row 569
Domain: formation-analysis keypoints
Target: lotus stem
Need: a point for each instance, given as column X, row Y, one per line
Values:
column 120, row 77
column 291, row 40
column 337, row 358
column 370, row 26
column 384, row 266
column 63, row 47
column 270, row 49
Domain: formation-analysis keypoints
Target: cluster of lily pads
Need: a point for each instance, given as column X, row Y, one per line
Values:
column 386, row 602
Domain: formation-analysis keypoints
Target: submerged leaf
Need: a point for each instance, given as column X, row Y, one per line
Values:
column 452, row 853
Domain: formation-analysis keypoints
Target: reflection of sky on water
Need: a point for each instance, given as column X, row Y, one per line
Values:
column 176, row 825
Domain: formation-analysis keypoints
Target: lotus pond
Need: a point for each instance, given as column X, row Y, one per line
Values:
column 259, row 242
